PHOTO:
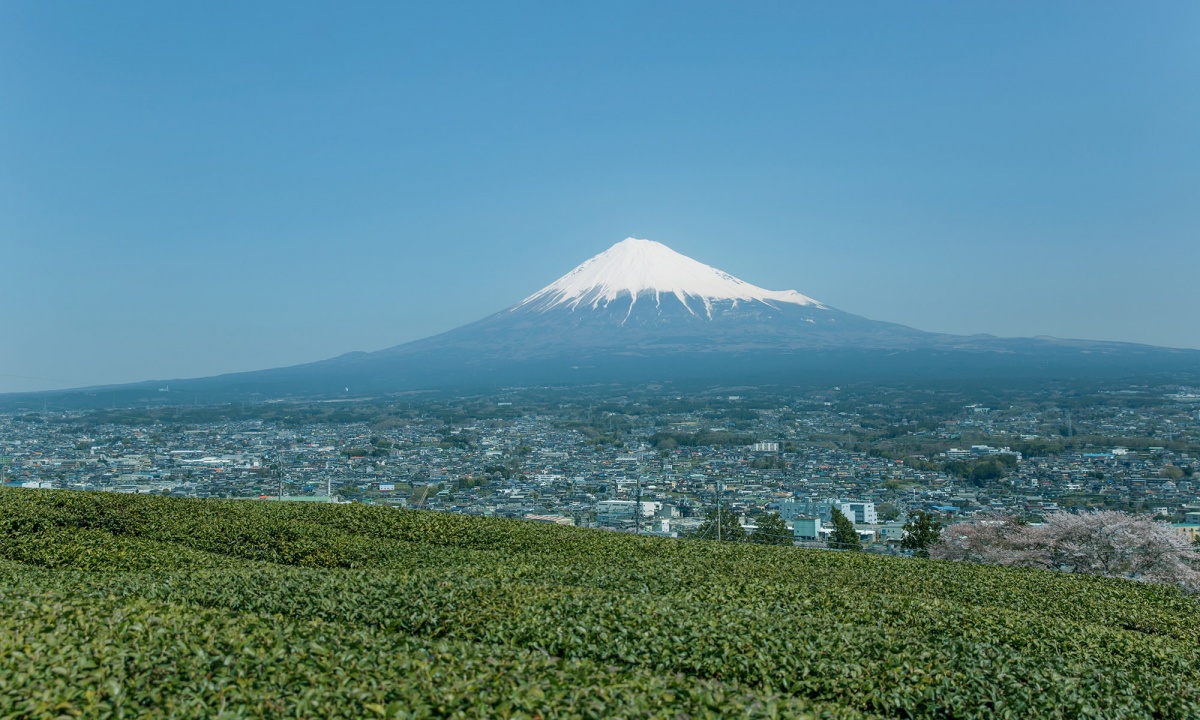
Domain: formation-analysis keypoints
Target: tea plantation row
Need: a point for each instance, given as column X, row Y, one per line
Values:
column 125, row 606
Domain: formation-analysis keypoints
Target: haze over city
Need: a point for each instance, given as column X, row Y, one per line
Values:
column 188, row 190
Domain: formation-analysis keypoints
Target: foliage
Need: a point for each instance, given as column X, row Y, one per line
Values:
column 721, row 525
column 978, row 472
column 504, row 471
column 1101, row 542
column 921, row 532
column 768, row 462
column 922, row 464
column 714, row 438
column 134, row 606
column 468, row 483
column 451, row 439
column 844, row 537
column 366, row 452
column 772, row 530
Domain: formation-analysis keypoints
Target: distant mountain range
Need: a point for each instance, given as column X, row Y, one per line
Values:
column 641, row 312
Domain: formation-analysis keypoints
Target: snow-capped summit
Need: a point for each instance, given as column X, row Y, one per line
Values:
column 640, row 312
column 647, row 270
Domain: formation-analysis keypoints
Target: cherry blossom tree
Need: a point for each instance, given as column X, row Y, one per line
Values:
column 1103, row 542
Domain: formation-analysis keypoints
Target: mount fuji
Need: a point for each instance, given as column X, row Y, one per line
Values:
column 640, row 298
column 641, row 268
column 641, row 312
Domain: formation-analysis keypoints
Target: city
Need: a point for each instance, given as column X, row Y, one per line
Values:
column 576, row 361
column 645, row 461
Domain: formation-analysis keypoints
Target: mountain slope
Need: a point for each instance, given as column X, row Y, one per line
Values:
column 640, row 311
column 636, row 268
column 641, row 296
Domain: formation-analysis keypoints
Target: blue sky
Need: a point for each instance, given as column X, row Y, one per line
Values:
column 195, row 188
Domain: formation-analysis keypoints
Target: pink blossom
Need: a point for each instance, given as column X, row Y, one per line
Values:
column 1103, row 542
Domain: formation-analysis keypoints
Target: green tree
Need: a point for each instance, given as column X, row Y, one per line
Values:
column 772, row 530
column 921, row 532
column 768, row 462
column 723, row 526
column 844, row 536
column 988, row 470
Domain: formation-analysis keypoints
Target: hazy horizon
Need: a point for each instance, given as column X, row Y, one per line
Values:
column 187, row 191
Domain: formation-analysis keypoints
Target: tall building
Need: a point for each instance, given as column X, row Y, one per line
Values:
column 860, row 513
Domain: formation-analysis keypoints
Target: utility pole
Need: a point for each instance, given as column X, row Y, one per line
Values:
column 637, row 509
column 718, row 511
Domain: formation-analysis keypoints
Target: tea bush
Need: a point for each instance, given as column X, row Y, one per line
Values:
column 126, row 606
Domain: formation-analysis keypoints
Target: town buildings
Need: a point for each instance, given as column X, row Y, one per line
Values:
column 649, row 465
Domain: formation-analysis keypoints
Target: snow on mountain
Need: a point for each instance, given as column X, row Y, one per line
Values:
column 641, row 313
column 639, row 268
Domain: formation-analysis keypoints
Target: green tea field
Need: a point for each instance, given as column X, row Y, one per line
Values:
column 119, row 606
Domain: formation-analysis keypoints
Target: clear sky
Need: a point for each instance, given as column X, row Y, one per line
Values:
column 202, row 187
